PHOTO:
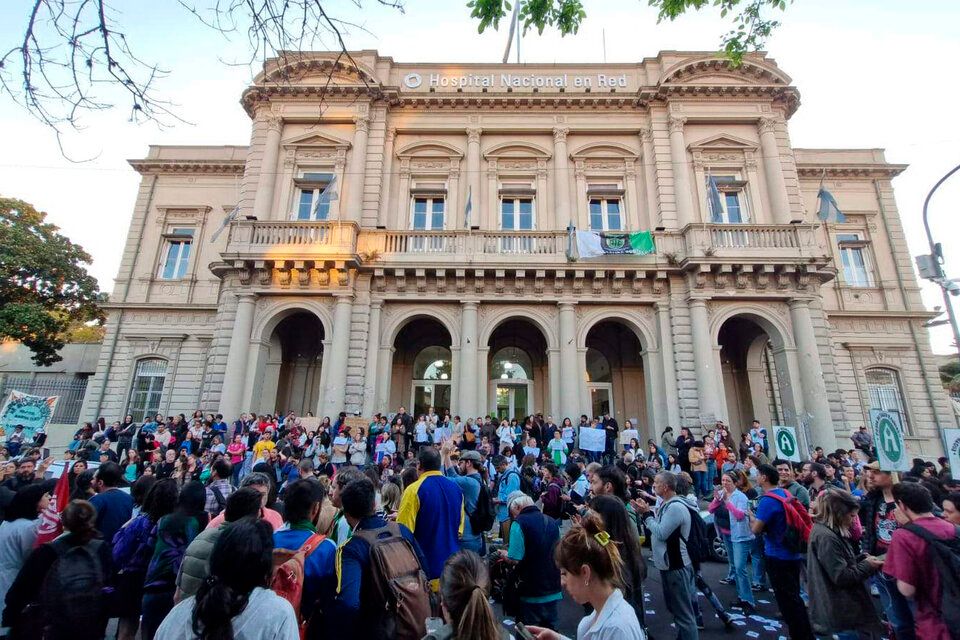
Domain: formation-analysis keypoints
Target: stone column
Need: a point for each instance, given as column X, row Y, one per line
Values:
column 370, row 370
column 650, row 179
column 773, row 171
column 474, row 190
column 709, row 377
column 681, row 172
column 358, row 171
column 335, row 366
column 483, row 381
column 468, row 359
column 569, row 374
column 669, row 367
column 386, row 181
column 263, row 199
column 561, row 179
column 235, row 376
column 812, row 386
column 384, row 373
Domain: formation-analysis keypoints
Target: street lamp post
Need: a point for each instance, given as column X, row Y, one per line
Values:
column 935, row 261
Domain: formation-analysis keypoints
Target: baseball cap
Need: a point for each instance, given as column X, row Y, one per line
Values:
column 471, row 455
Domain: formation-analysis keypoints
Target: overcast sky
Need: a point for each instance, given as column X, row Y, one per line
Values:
column 878, row 74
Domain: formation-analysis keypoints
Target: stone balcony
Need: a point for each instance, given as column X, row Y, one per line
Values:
column 257, row 244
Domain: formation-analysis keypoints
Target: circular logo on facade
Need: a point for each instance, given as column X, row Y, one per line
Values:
column 890, row 441
column 412, row 80
column 786, row 443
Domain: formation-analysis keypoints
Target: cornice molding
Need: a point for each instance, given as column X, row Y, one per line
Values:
column 831, row 170
column 227, row 167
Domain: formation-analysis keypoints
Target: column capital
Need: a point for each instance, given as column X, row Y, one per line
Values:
column 246, row 298
column 646, row 134
column 391, row 133
column 343, row 298
column 567, row 305
column 470, row 304
column 677, row 123
column 696, row 301
column 376, row 304
column 473, row 134
column 362, row 123
column 803, row 303
column 663, row 306
column 560, row 134
column 767, row 125
column 274, row 123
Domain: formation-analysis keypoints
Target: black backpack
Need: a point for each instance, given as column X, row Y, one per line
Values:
column 484, row 515
column 698, row 542
column 221, row 501
column 945, row 556
column 72, row 593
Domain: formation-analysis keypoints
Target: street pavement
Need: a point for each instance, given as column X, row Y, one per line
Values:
column 765, row 623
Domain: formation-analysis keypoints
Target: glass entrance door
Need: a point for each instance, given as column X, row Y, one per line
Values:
column 601, row 398
column 430, row 394
column 512, row 401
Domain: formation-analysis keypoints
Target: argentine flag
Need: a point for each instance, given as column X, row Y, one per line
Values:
column 828, row 210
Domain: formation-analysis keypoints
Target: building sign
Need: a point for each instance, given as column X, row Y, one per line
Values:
column 888, row 436
column 787, row 444
column 951, row 445
column 479, row 81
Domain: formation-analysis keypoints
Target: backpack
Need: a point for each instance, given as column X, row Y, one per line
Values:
column 945, row 555
column 484, row 515
column 469, row 435
column 528, row 487
column 288, row 573
column 402, row 591
column 798, row 521
column 221, row 501
column 698, row 542
column 72, row 595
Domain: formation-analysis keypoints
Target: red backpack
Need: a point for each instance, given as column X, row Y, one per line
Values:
column 288, row 574
column 798, row 520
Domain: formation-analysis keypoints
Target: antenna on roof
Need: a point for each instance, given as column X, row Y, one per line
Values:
column 603, row 32
column 514, row 27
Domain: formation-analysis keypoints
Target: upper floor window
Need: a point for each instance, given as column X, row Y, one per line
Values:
column 731, row 205
column 883, row 385
column 147, row 388
column 428, row 212
column 177, row 253
column 606, row 207
column 853, row 260
column 313, row 203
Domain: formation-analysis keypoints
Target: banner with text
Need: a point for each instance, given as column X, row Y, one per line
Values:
column 33, row 412
column 951, row 444
column 888, row 437
column 592, row 439
column 788, row 447
column 591, row 244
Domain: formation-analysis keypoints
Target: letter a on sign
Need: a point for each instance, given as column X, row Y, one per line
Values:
column 888, row 434
column 787, row 446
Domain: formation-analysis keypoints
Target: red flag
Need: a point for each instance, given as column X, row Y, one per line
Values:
column 50, row 524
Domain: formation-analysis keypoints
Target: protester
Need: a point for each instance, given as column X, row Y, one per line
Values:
column 669, row 529
column 18, row 532
column 783, row 564
column 951, row 508
column 533, row 536
column 38, row 607
column 261, row 482
column 219, row 488
column 235, row 601
column 590, row 570
column 464, row 588
column 836, row 578
column 114, row 507
column 433, row 509
column 634, row 569
column 466, row 474
column 731, row 509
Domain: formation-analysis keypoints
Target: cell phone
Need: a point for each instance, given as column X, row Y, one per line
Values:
column 521, row 632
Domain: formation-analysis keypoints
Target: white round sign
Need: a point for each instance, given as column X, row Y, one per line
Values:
column 412, row 80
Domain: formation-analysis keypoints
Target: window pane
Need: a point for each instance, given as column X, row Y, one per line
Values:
column 184, row 259
column 323, row 209
column 147, row 388
column 318, row 177
column 613, row 206
column 420, row 213
column 170, row 264
column 526, row 214
column 733, row 208
column 613, row 222
column 596, row 215
column 305, row 206
column 506, row 214
column 182, row 232
column 436, row 221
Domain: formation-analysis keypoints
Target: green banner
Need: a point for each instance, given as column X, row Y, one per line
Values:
column 888, row 438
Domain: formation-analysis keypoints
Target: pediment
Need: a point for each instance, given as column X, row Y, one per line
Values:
column 603, row 150
column 429, row 149
column 517, row 150
column 717, row 70
column 725, row 142
column 315, row 139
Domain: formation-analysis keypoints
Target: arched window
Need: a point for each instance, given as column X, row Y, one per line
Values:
column 433, row 363
column 598, row 367
column 883, row 385
column 511, row 363
column 147, row 388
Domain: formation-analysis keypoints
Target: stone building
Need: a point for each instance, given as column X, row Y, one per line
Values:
column 399, row 237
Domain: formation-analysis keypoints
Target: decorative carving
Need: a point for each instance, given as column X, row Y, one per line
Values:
column 400, row 279
column 362, row 124
column 323, row 277
column 316, row 154
column 676, row 124
column 538, row 281
column 519, row 282
column 558, row 279
column 390, row 134
column 605, row 164
column 498, row 280
column 461, row 280
column 274, row 123
column 478, row 280
column 741, row 278
column 767, row 125
column 283, row 276
column 421, row 276
column 599, row 277
column 473, row 135
column 264, row 275
column 646, row 134
column 578, row 281
column 430, row 164
column 723, row 157
column 560, row 135
column 528, row 165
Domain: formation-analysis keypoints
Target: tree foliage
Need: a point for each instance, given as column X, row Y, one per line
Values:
column 751, row 26
column 44, row 288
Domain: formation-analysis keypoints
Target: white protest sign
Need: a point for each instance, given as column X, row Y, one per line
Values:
column 592, row 439
column 788, row 446
column 888, row 436
column 951, row 444
column 629, row 434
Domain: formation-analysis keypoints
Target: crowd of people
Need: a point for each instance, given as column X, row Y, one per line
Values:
column 402, row 526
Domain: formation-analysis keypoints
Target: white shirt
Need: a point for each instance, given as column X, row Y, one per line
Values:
column 267, row 616
column 616, row 621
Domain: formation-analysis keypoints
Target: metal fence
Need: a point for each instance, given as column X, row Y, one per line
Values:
column 70, row 390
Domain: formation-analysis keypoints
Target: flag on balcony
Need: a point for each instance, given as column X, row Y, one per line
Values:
column 591, row 244
column 713, row 197
column 230, row 217
column 571, row 241
column 828, row 211
column 468, row 209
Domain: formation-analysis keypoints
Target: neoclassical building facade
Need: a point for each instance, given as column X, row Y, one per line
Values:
column 397, row 234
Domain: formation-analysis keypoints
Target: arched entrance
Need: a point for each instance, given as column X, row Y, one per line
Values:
column 755, row 375
column 422, row 374
column 291, row 379
column 517, row 368
column 616, row 380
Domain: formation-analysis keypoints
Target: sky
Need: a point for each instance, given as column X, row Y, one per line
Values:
column 870, row 75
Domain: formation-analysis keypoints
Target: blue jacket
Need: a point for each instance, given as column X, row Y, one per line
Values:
column 509, row 482
column 319, row 570
column 432, row 507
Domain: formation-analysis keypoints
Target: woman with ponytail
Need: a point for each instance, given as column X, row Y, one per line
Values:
column 591, row 570
column 235, row 602
column 464, row 587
